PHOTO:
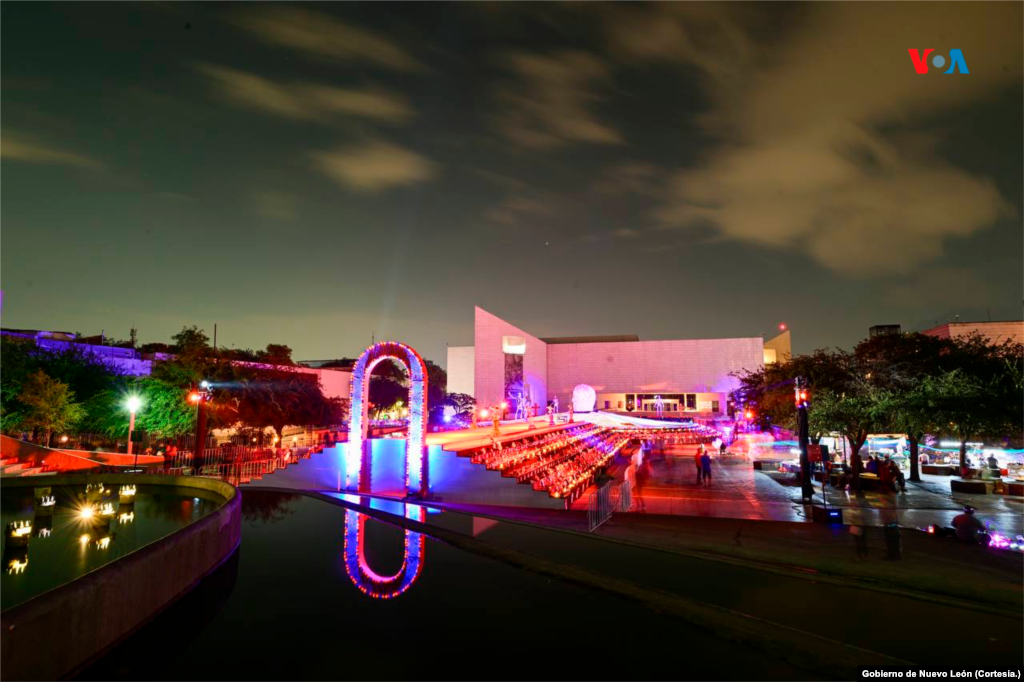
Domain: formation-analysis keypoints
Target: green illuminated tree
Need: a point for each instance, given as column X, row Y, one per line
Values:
column 49, row 405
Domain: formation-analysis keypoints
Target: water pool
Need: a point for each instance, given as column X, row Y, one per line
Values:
column 294, row 604
column 63, row 544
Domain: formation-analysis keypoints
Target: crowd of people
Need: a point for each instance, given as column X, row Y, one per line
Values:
column 890, row 476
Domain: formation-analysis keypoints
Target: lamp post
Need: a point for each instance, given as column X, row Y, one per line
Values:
column 133, row 404
column 200, row 397
column 806, row 487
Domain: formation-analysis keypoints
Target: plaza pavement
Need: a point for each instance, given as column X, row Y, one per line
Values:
column 756, row 519
column 668, row 485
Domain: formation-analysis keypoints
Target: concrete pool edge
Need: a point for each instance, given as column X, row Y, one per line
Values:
column 56, row 633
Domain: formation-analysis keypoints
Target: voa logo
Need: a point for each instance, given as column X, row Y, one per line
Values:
column 956, row 61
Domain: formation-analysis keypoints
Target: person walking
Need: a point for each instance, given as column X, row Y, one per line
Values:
column 705, row 465
column 700, row 467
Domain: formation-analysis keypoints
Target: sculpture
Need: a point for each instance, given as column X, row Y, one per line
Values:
column 659, row 406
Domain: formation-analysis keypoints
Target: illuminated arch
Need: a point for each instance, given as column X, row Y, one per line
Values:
column 415, row 443
column 358, row 568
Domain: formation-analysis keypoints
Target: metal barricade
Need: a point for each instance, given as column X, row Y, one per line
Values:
column 625, row 495
column 599, row 506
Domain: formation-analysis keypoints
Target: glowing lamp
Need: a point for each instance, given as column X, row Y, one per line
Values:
column 63, row 439
column 193, row 397
column 133, row 403
column 85, row 513
column 204, row 384
column 484, row 413
column 782, row 326
column 748, row 414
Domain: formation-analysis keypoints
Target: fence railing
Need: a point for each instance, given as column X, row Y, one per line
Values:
column 599, row 506
column 235, row 465
column 608, row 500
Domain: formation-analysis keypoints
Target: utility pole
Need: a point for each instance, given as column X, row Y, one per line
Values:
column 806, row 488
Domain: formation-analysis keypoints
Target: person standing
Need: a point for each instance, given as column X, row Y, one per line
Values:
column 705, row 465
column 700, row 467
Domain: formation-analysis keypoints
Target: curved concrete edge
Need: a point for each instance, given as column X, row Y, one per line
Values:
column 53, row 635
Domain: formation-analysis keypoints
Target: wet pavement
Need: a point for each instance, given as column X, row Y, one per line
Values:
column 667, row 484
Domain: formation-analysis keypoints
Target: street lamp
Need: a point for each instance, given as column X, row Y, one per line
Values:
column 133, row 403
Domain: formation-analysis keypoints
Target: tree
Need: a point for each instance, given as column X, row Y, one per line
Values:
column 853, row 414
column 898, row 364
column 958, row 400
column 276, row 354
column 769, row 390
column 165, row 409
column 274, row 398
column 49, row 405
column 191, row 340
column 462, row 403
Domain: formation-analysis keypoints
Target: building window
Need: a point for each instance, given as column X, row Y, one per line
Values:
column 620, row 404
column 607, row 404
column 691, row 401
column 714, row 406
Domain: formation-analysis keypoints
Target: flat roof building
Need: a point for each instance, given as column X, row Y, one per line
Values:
column 691, row 376
column 995, row 332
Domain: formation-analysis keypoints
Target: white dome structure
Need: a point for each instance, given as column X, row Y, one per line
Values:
column 583, row 398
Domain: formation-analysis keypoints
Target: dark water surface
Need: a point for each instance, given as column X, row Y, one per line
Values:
column 289, row 606
column 64, row 545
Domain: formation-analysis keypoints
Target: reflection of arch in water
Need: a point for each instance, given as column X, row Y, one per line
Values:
column 415, row 444
column 358, row 568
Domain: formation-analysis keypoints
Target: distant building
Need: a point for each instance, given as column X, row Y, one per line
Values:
column 995, row 332
column 779, row 349
column 884, row 330
column 692, row 377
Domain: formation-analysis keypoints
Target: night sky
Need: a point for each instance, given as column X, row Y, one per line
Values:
column 315, row 174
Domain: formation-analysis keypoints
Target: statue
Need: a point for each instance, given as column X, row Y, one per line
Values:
column 551, row 415
column 554, row 403
column 659, row 406
column 496, row 421
column 521, row 408
column 570, row 413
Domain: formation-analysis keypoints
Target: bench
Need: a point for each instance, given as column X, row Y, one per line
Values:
column 938, row 469
column 975, row 486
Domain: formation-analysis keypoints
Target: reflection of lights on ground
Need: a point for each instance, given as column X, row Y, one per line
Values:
column 48, row 501
column 83, row 539
column 16, row 566
column 44, row 532
column 127, row 491
column 106, row 509
column 126, row 518
column 103, row 542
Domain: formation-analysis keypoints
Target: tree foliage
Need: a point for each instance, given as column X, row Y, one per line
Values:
column 49, row 405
